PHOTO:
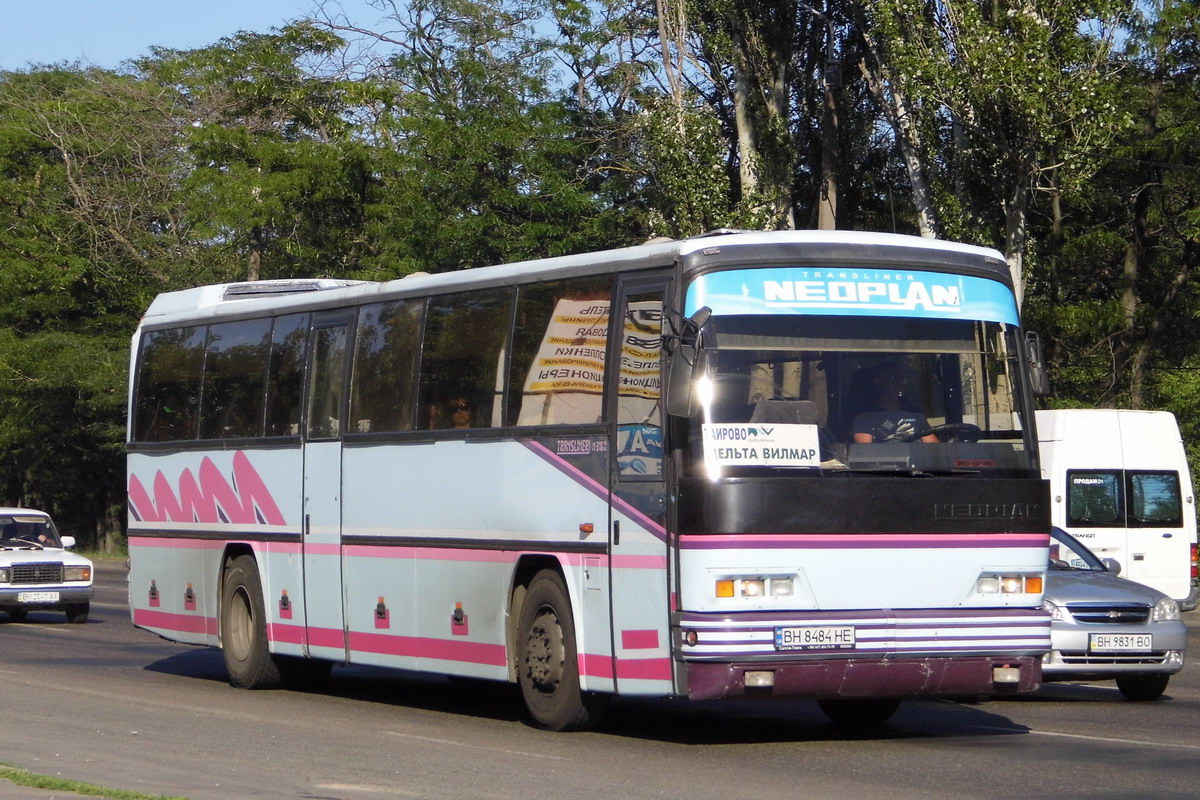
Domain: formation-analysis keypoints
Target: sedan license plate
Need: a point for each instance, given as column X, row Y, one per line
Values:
column 815, row 637
column 1120, row 642
column 37, row 597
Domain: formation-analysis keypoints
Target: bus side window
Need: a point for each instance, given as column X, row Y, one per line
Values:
column 235, row 374
column 168, row 391
column 559, row 345
column 466, row 337
column 386, row 348
column 285, row 378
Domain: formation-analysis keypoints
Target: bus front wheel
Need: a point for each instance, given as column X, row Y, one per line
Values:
column 244, row 628
column 547, row 661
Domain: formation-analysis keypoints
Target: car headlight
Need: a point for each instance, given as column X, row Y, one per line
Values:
column 1166, row 610
column 77, row 573
column 3, row 574
column 1054, row 610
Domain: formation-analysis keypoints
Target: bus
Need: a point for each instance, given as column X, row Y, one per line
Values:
column 1121, row 485
column 742, row 464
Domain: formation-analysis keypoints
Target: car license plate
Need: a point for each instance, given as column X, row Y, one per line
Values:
column 1120, row 642
column 815, row 637
column 37, row 597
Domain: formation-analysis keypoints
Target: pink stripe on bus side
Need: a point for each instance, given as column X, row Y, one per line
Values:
column 639, row 640
column 425, row 647
column 184, row 623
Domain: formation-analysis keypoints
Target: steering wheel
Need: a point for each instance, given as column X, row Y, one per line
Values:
column 952, row 432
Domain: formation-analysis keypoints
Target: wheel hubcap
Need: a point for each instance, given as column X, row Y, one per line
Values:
column 544, row 652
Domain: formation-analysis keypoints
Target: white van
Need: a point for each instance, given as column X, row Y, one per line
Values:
column 1119, row 483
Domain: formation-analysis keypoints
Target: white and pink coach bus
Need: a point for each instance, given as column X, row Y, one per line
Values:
column 775, row 464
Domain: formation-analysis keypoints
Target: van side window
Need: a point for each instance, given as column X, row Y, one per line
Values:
column 1095, row 499
column 1154, row 500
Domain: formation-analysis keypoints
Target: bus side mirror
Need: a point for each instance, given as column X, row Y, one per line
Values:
column 685, row 354
column 1039, row 380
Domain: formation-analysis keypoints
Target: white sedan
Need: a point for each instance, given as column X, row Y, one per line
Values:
column 36, row 569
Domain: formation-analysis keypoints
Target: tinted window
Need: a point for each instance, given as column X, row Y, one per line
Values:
column 168, row 396
column 289, row 337
column 559, row 345
column 1094, row 499
column 465, row 338
column 1154, row 500
column 235, row 374
column 386, row 349
column 327, row 382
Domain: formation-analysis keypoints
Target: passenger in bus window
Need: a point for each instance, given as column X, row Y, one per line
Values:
column 459, row 412
column 888, row 418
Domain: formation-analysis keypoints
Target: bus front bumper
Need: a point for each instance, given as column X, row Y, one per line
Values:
column 870, row 677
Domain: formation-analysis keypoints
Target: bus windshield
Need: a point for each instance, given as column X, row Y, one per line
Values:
column 836, row 395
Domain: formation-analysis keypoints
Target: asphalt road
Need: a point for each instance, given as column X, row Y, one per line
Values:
column 111, row 705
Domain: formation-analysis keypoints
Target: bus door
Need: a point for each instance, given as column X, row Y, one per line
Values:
column 637, row 533
column 324, row 422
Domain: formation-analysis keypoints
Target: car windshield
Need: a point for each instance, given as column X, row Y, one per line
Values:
column 903, row 395
column 1066, row 552
column 27, row 531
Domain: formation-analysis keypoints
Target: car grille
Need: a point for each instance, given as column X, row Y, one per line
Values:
column 1110, row 613
column 1156, row 657
column 37, row 573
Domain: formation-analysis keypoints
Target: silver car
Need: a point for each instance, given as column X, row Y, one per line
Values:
column 1105, row 627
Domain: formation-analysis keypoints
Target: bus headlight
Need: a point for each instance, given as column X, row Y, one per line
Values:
column 754, row 586
column 1166, row 610
column 1015, row 583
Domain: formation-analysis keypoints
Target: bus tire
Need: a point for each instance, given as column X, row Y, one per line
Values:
column 547, row 659
column 857, row 712
column 244, row 628
column 1142, row 688
column 78, row 612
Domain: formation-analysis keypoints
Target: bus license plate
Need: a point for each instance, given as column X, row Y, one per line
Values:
column 816, row 637
column 1120, row 642
column 37, row 597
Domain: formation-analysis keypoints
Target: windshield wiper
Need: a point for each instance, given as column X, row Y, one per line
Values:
column 908, row 472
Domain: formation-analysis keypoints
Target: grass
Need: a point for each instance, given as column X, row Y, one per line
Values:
column 23, row 777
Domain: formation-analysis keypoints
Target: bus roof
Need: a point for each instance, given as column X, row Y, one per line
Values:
column 235, row 298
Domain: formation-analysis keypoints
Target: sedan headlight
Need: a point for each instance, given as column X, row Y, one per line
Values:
column 1054, row 610
column 77, row 573
column 4, row 575
column 1166, row 610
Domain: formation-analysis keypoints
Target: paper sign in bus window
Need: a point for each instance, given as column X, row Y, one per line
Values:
column 759, row 445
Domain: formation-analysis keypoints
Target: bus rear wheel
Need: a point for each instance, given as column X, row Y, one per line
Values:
column 547, row 659
column 244, row 628
column 859, row 712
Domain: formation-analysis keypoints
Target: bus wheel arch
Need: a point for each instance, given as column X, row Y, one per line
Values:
column 243, row 624
column 546, row 653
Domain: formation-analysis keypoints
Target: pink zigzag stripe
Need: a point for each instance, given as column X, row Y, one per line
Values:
column 212, row 499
